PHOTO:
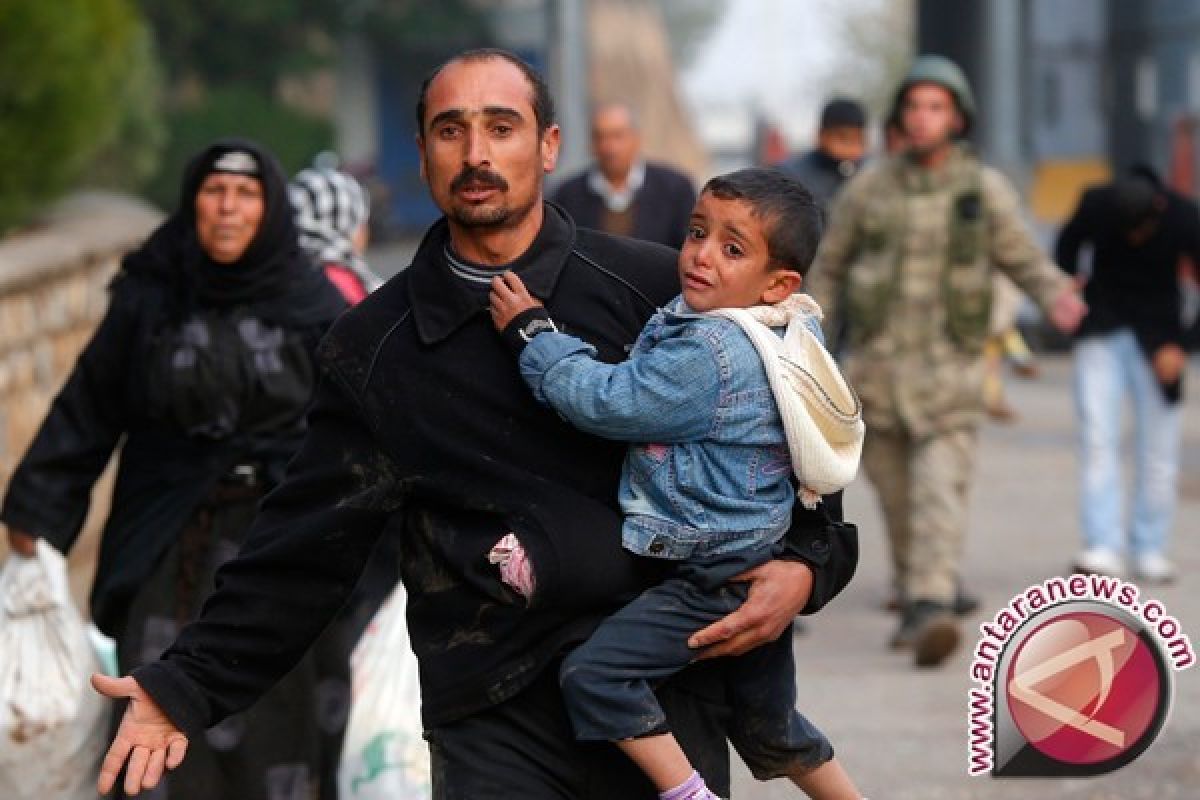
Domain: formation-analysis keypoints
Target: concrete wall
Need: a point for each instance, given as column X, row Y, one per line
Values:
column 53, row 292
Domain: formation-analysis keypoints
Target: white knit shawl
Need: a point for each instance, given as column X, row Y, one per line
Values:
column 822, row 416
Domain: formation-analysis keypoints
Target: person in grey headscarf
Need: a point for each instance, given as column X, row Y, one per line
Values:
column 332, row 211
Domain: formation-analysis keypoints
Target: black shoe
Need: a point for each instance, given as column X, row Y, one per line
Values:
column 936, row 633
column 906, row 631
column 965, row 603
column 929, row 630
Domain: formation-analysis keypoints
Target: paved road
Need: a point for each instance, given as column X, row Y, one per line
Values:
column 902, row 733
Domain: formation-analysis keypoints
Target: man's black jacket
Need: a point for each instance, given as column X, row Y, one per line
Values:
column 1132, row 286
column 661, row 208
column 422, row 429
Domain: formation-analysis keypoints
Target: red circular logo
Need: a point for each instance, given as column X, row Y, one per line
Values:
column 1084, row 688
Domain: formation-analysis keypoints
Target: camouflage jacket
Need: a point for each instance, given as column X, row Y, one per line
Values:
column 908, row 257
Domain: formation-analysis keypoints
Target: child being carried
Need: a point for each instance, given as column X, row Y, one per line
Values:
column 726, row 395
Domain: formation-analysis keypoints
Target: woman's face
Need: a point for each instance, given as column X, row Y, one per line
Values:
column 229, row 209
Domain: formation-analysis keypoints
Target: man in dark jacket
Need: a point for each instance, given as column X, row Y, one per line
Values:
column 841, row 145
column 622, row 193
column 1131, row 342
column 423, row 430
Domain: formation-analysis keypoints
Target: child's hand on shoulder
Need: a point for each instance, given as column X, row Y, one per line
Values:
column 508, row 298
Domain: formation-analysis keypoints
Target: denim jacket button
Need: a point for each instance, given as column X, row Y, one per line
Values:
column 656, row 547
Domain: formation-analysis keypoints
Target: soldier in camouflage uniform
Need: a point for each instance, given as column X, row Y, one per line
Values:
column 912, row 242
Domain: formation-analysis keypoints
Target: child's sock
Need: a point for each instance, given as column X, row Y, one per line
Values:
column 691, row 789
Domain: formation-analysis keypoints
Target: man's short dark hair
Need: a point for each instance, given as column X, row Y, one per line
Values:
column 842, row 112
column 789, row 212
column 543, row 103
column 1137, row 196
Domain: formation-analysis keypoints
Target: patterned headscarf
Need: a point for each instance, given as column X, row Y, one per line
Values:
column 330, row 207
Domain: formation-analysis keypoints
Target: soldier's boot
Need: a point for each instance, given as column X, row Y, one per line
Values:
column 930, row 630
column 965, row 602
column 906, row 631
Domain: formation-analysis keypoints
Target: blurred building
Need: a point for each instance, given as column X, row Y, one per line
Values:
column 588, row 49
column 1070, row 89
column 378, row 78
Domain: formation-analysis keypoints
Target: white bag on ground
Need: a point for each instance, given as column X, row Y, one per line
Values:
column 53, row 726
column 384, row 756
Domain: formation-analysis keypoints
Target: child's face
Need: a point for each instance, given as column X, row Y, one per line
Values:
column 725, row 259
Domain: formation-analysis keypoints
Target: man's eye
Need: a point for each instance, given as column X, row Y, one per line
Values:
column 733, row 251
column 448, row 132
column 502, row 130
column 696, row 232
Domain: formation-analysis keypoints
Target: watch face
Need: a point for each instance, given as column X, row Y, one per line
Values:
column 536, row 326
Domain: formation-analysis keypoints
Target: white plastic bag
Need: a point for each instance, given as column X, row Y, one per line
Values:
column 384, row 756
column 53, row 726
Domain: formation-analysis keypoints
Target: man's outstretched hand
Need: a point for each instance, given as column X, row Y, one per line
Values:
column 779, row 590
column 508, row 298
column 1068, row 311
column 147, row 739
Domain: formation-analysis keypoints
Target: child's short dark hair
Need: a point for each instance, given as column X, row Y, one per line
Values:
column 791, row 215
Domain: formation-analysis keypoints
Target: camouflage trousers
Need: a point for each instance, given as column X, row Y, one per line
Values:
column 923, row 486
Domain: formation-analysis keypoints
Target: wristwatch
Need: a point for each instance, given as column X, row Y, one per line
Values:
column 525, row 326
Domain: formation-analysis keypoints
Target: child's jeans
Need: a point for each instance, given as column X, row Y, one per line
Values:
column 607, row 682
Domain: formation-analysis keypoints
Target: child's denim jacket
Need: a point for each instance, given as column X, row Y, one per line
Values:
column 708, row 471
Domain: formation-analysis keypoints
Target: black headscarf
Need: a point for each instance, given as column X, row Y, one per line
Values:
column 273, row 278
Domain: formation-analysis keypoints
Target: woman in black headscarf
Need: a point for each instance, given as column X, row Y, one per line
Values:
column 203, row 365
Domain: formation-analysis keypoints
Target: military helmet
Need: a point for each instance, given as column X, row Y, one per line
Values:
column 943, row 72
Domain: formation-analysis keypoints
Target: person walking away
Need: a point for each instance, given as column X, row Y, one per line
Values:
column 1130, row 345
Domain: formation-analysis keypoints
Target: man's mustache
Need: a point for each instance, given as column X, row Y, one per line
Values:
column 478, row 177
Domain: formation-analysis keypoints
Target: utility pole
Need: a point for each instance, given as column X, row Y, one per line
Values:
column 570, row 81
column 1003, row 110
column 984, row 37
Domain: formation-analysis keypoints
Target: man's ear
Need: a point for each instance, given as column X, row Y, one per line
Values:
column 960, row 123
column 783, row 284
column 551, row 141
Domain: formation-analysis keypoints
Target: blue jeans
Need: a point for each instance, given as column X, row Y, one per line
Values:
column 1107, row 368
column 608, row 681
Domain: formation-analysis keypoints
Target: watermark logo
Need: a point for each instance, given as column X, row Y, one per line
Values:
column 1074, row 678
